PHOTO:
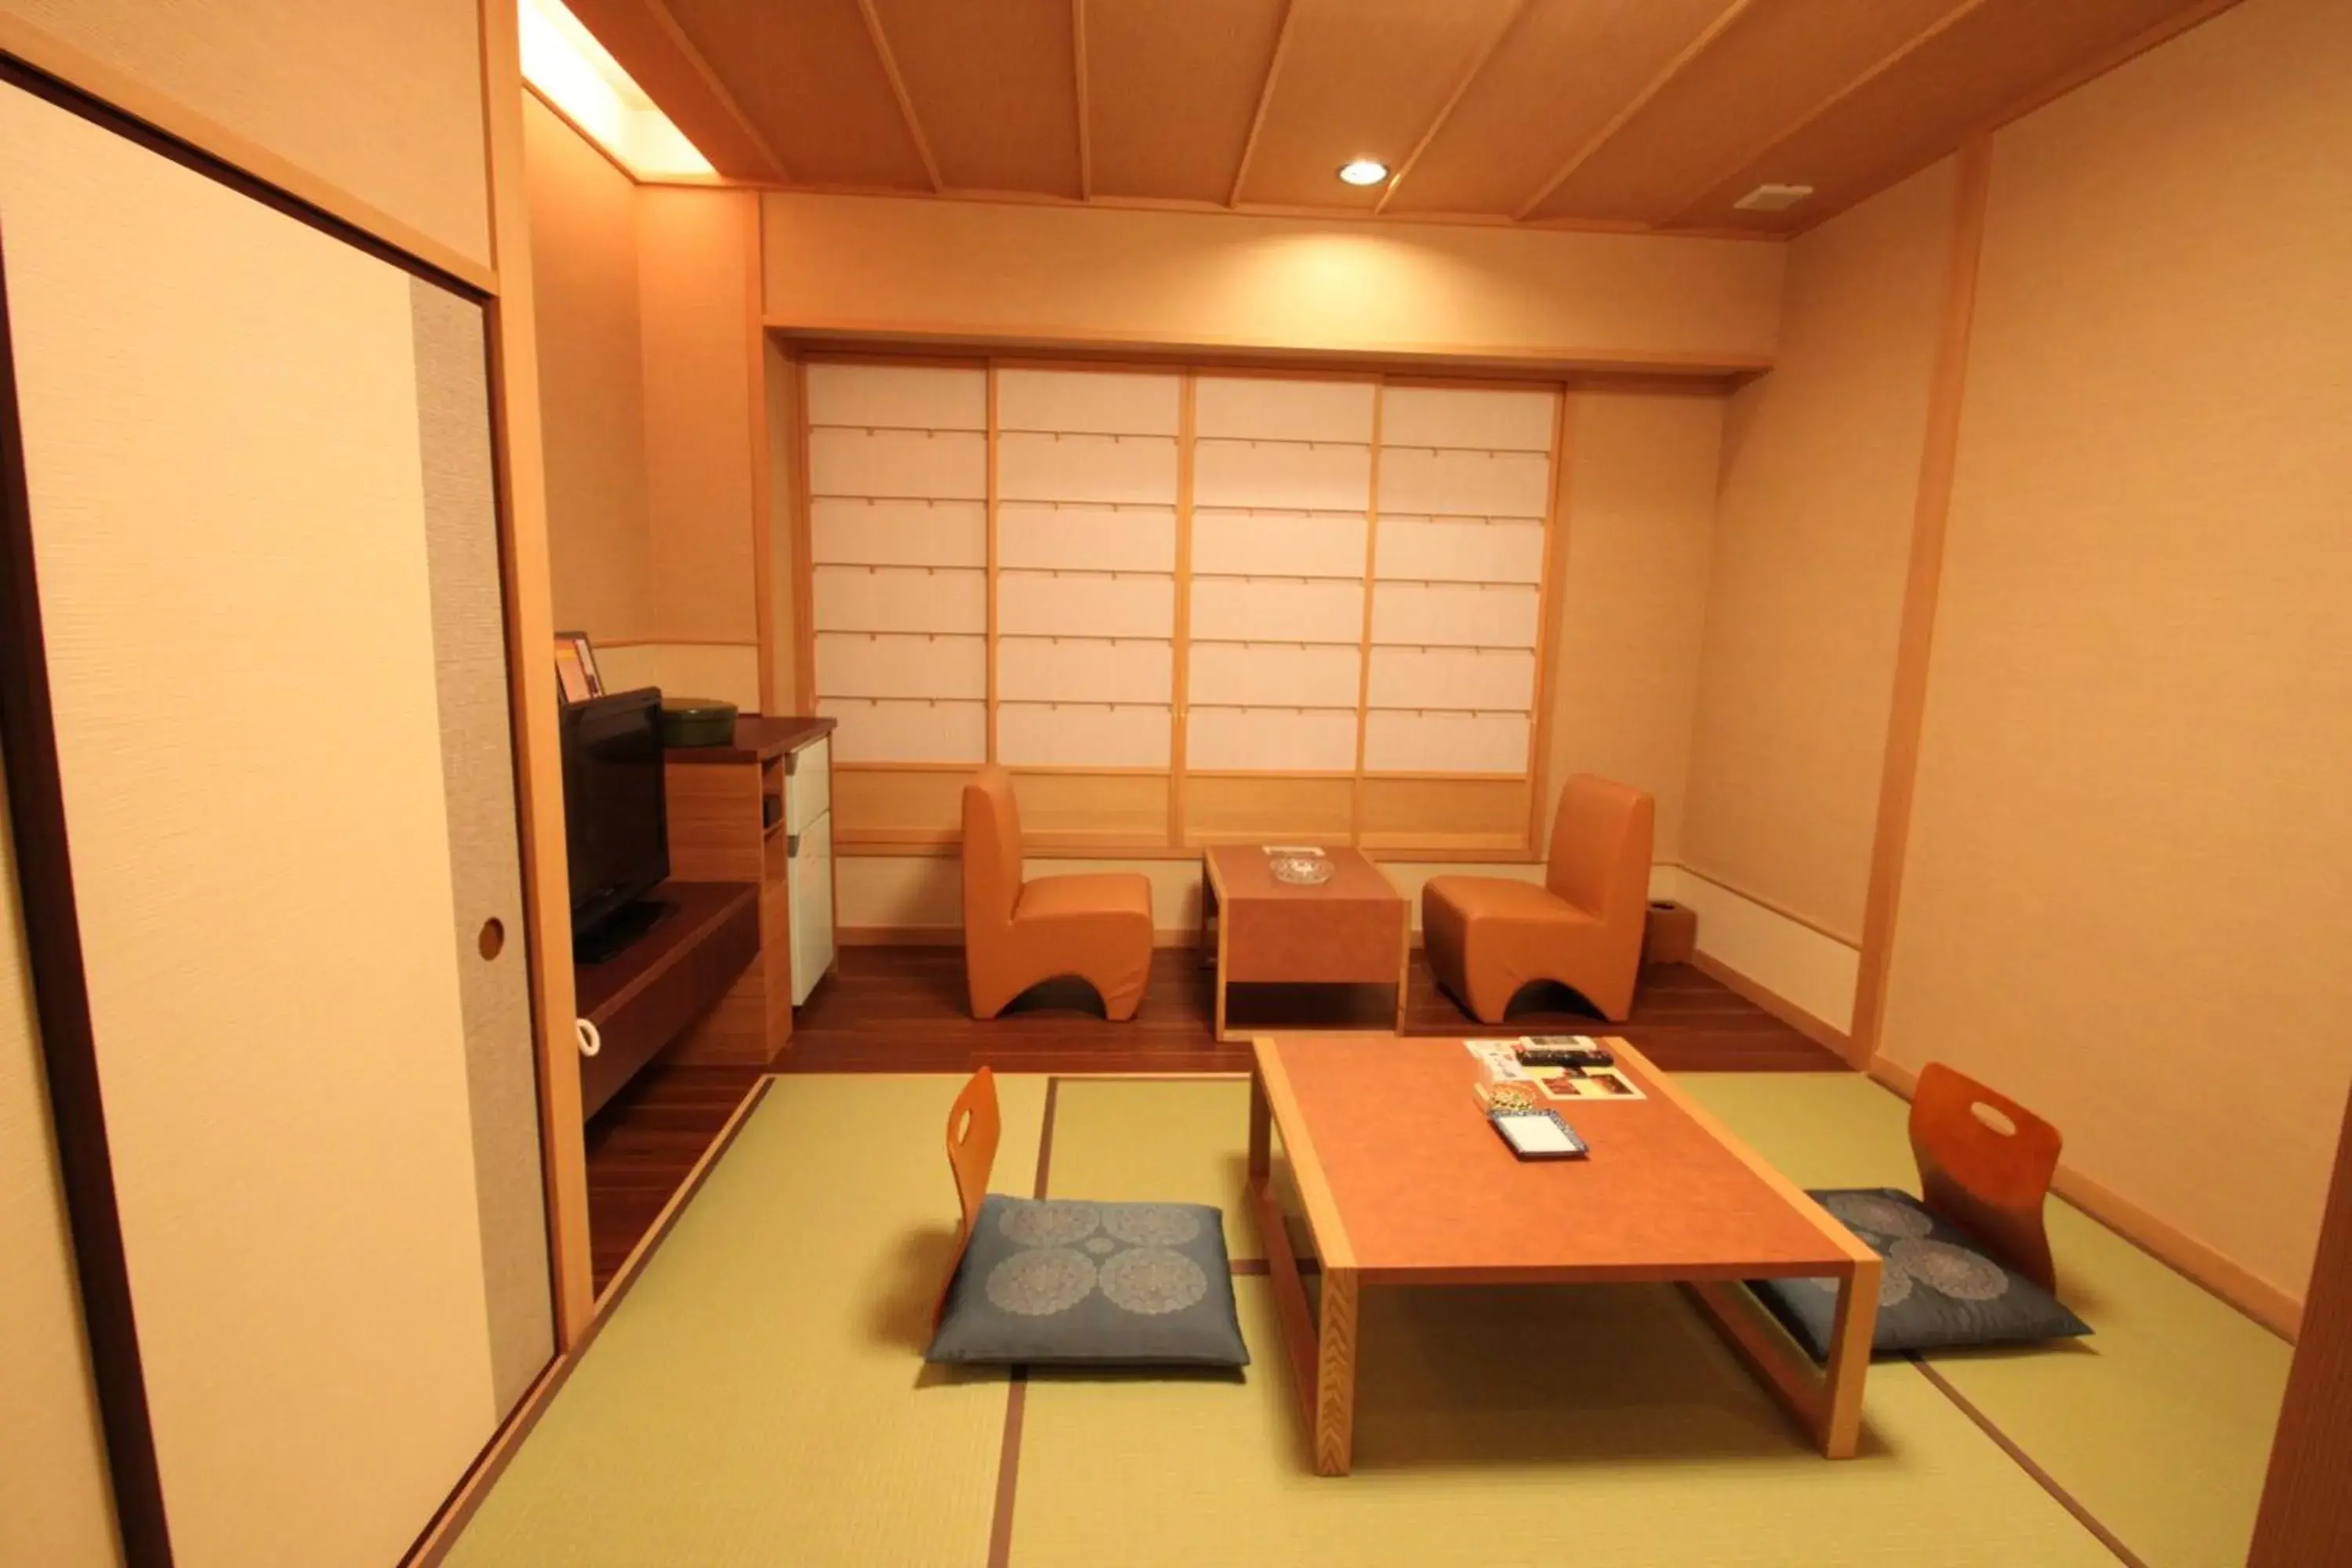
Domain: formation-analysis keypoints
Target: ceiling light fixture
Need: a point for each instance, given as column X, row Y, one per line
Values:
column 1364, row 171
column 567, row 66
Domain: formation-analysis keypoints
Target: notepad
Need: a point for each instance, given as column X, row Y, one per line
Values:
column 1538, row 1135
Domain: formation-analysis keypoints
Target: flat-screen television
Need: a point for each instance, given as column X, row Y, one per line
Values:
column 616, row 819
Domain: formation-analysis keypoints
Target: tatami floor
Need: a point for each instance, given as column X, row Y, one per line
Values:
column 758, row 1395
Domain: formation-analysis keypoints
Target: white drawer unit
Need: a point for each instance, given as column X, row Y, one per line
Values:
column 812, row 894
column 808, row 784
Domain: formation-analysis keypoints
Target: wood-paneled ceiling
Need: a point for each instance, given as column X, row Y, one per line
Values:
column 1645, row 114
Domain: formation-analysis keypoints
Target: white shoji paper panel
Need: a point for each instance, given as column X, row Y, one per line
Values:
column 1416, row 481
column 1130, row 539
column 1319, row 544
column 1106, row 403
column 918, row 397
column 1447, row 614
column 1452, row 678
column 1086, row 468
column 853, row 664
column 1270, row 739
column 1269, row 409
column 1248, row 673
column 1082, row 605
column 898, row 532
column 1445, row 742
column 1270, row 610
column 899, row 599
column 1509, row 550
column 907, row 732
column 1462, row 416
column 1081, row 737
column 950, row 467
column 1281, row 474
column 1084, row 669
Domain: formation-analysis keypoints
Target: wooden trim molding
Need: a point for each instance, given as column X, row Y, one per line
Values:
column 1510, row 20
column 763, row 546
column 1820, row 1032
column 1774, row 905
column 890, row 63
column 237, row 160
column 1264, row 99
column 2302, row 1517
column 1641, row 101
column 61, row 1002
column 1915, row 642
column 2265, row 1303
column 522, row 477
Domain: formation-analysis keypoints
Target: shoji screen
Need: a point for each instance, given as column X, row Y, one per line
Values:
column 1463, row 489
column 1086, row 567
column 897, row 480
column 1281, row 493
column 259, row 500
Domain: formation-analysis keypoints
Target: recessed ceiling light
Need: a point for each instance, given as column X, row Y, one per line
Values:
column 1772, row 198
column 1364, row 171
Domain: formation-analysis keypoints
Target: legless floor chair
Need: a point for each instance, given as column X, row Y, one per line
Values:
column 1488, row 937
column 1060, row 1282
column 1016, row 935
column 1967, row 1262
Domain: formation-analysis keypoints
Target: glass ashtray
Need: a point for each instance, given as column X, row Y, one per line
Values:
column 1300, row 870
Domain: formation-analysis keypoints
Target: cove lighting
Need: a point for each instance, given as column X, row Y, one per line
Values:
column 564, row 63
column 1364, row 171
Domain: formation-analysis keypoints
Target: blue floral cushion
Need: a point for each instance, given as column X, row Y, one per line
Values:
column 1939, row 1288
column 1056, row 1282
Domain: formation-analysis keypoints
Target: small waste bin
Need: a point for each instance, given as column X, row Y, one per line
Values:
column 1671, row 933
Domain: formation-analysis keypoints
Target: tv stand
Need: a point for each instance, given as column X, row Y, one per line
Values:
column 623, row 928
column 641, row 996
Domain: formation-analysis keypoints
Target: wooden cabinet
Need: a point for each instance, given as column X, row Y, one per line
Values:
column 759, row 811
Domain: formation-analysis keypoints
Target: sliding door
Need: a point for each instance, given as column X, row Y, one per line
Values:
column 258, row 506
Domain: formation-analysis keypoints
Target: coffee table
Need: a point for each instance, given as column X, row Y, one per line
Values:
column 1352, row 929
column 1404, row 1182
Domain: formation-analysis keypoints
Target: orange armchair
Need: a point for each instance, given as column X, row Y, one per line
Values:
column 1015, row 934
column 1487, row 937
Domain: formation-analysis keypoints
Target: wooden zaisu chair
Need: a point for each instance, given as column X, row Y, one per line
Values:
column 1015, row 933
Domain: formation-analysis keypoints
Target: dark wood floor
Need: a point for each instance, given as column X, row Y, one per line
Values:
column 901, row 1009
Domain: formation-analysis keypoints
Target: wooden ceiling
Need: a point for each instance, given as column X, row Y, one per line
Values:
column 1643, row 114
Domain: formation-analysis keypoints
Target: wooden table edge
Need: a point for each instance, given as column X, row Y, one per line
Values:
column 1330, row 1232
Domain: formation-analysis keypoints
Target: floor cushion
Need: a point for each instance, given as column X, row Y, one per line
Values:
column 1056, row 1282
column 1939, row 1287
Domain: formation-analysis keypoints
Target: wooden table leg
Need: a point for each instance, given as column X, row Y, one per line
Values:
column 1335, row 1374
column 1261, row 1132
column 1851, row 1331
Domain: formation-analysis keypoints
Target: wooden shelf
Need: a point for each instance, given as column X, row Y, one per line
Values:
column 646, row 995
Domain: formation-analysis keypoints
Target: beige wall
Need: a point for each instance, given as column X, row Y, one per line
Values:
column 695, row 283
column 1820, row 471
column 1639, row 510
column 934, row 270
column 381, row 98
column 2126, row 898
column 55, row 1502
column 646, row 349
column 583, row 243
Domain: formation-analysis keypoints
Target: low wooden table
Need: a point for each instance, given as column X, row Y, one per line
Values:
column 1350, row 931
column 1405, row 1184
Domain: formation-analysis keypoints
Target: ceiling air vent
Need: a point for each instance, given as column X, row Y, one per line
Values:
column 1772, row 198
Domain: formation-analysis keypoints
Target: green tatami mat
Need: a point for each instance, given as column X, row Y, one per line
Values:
column 1506, row 1428
column 2159, row 1424
column 1156, row 1139
column 759, row 1397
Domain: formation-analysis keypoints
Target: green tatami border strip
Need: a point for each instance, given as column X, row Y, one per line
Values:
column 2025, row 1462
